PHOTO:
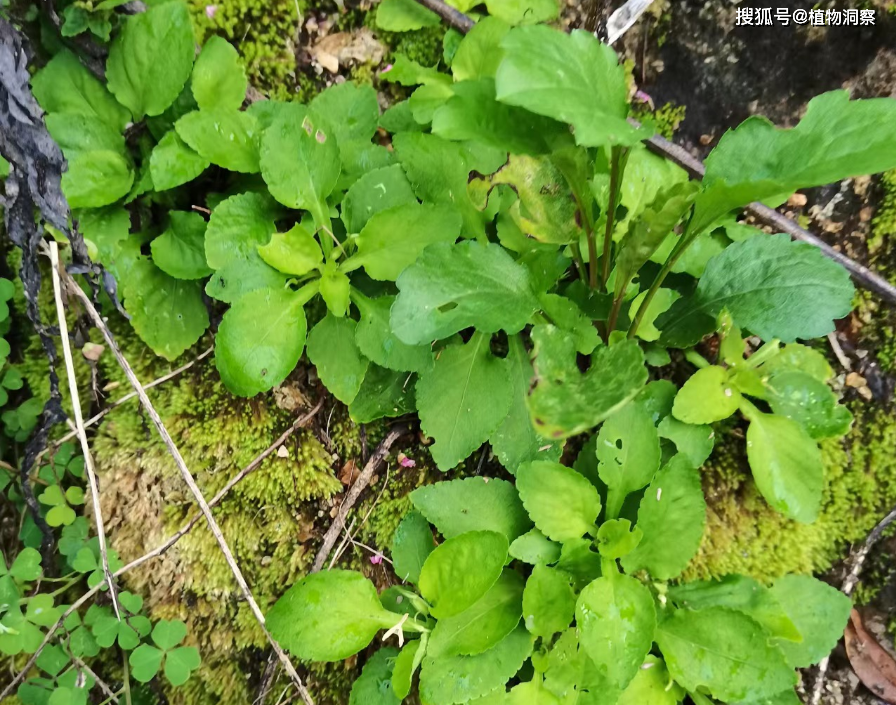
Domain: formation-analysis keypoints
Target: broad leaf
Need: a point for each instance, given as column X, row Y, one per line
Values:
column 328, row 616
column 377, row 341
column 219, row 80
column 374, row 685
column 802, row 358
column 332, row 350
column 352, row 110
column 260, row 340
column 472, row 504
column 535, row 548
column 374, row 192
column 462, row 399
column 238, row 225
column 461, row 570
column 561, row 502
column 242, row 275
column 523, row 11
column 173, row 163
column 180, row 250
column 653, row 685
column 696, row 442
column 383, row 393
column 142, row 77
column 809, row 402
column 564, row 401
column 228, row 138
column 672, row 517
column 406, row 663
column 293, row 252
column 479, row 53
column 708, row 396
column 548, row 602
column 411, row 546
column 404, row 16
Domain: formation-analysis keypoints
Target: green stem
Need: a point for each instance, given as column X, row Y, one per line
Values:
column 615, row 498
column 307, row 292
column 696, row 359
column 580, row 262
column 700, row 699
column 126, row 682
column 616, row 156
column 614, row 311
column 769, row 350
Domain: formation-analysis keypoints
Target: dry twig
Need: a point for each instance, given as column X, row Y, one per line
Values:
column 79, row 426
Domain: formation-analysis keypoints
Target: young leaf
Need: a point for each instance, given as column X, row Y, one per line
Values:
column 180, row 250
column 472, row 504
column 482, row 625
column 335, row 289
column 228, row 138
column 294, row 252
column 646, row 174
column 724, row 652
column 260, row 340
column 696, row 442
column 411, row 546
column 143, row 78
column 173, row 163
column 616, row 619
column 238, row 225
column 404, row 16
column 653, row 685
column 461, row 570
column 394, row 238
column 535, row 548
column 523, row 11
column 820, row 613
column 374, row 685
column 332, row 350
column 672, row 516
column 219, row 80
column 515, row 440
column 809, row 402
column 786, row 465
column 328, row 616
column 572, row 78
column 628, row 453
column 459, row 679
column 376, row 191
column 562, row 503
column 616, row 538
column 376, row 340
column 406, row 663
column 708, row 396
column 772, row 286
column 479, row 53
column 383, row 393
column 548, row 602
column 462, row 399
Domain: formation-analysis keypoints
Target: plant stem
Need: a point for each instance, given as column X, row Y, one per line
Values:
column 614, row 312
column 307, row 292
column 614, row 504
column 126, row 681
column 580, row 263
column 616, row 155
column 769, row 350
column 696, row 359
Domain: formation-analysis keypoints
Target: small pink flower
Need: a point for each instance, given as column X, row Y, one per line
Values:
column 211, row 11
column 644, row 98
column 405, row 461
column 386, row 69
column 376, row 559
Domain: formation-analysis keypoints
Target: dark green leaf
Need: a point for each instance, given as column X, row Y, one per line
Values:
column 411, row 546
column 173, row 163
column 180, row 250
column 226, row 137
column 374, row 685
column 811, row 403
column 383, row 393
column 377, row 342
column 332, row 350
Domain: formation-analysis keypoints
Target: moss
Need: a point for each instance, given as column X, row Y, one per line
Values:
column 883, row 226
column 666, row 118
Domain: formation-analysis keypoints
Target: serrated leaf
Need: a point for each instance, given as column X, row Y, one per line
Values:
column 328, row 616
column 180, row 250
column 462, row 399
column 461, row 570
column 672, row 517
column 226, row 137
column 646, row 174
column 452, row 287
column 411, row 546
column 404, row 16
column 376, row 191
column 548, row 602
column 482, row 625
column 219, row 80
column 572, row 78
column 173, row 163
column 562, row 503
column 142, row 77
column 238, row 225
column 809, row 402
column 260, row 340
column 294, row 252
column 376, row 340
column 472, row 504
column 563, row 401
column 708, row 396
column 724, row 652
column 616, row 619
column 374, row 685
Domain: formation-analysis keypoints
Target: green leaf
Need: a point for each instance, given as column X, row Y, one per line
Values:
column 332, row 350
column 482, row 625
column 140, row 75
column 180, row 250
column 328, row 616
column 724, row 652
column 180, row 662
column 168, row 633
column 480, row 53
column 672, row 516
column 564, row 402
column 786, row 465
column 796, row 356
column 405, row 664
column 577, row 559
column 383, row 393
column 300, row 161
column 548, row 602
column 242, row 275
column 646, row 174
column 335, row 289
column 461, row 570
column 260, row 340
column 708, row 396
column 472, row 504
column 376, row 191
column 404, row 16
column 628, row 454
column 168, row 314
column 820, row 613
column 809, row 402
column 394, row 238
column 695, row 442
column 562, row 503
column 452, row 287
column 836, row 139
column 566, row 315
column 173, row 163
column 523, row 11
column 228, row 138
column 374, row 685
column 616, row 538
column 411, row 546
column 459, row 679
column 572, row 78
column 238, row 225
column 65, row 86
column 40, row 610
column 293, row 252
column 772, row 286
column 145, row 662
column 438, row 172
column 515, row 440
column 60, row 516
column 616, row 619
column 376, row 340
column 653, row 685
column 352, row 108
column 463, row 399
column 535, row 548
column 219, row 80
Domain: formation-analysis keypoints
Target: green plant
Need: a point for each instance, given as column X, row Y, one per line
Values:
column 494, row 603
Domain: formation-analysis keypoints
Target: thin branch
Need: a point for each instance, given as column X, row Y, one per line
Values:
column 99, row 681
column 191, row 484
column 79, row 426
column 332, row 535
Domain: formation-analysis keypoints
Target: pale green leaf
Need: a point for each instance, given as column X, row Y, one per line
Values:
column 242, row 275
column 548, row 602
column 411, row 546
column 293, row 252
column 561, row 502
column 145, row 662
column 652, row 684
column 523, row 11
column 180, row 250
column 696, row 442
column 646, row 174
column 535, row 548
column 406, row 663
column 226, row 137
column 404, row 16
column 796, row 356
column 335, row 289
column 332, row 350
column 351, row 109
column 219, row 80
column 708, row 396
column 480, row 53
column 173, row 163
